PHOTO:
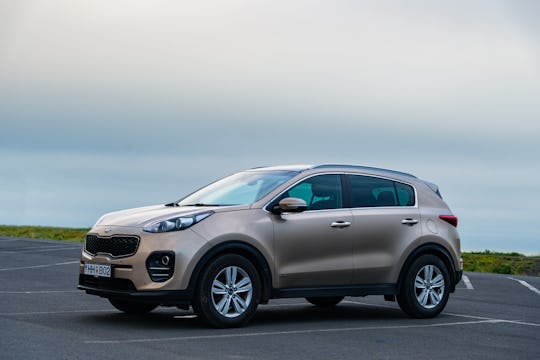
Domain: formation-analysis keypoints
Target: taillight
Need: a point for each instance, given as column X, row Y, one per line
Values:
column 451, row 219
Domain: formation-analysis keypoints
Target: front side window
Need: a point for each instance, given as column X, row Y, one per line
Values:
column 369, row 191
column 319, row 192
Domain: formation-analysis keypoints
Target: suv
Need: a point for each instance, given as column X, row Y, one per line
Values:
column 319, row 232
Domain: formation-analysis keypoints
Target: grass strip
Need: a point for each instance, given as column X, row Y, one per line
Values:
column 501, row 263
column 44, row 232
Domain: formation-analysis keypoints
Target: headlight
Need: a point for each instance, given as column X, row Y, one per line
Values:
column 177, row 223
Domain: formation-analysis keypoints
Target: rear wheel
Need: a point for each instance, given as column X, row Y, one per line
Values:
column 325, row 301
column 228, row 292
column 132, row 307
column 425, row 288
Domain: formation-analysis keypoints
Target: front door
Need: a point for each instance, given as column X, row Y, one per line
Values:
column 314, row 248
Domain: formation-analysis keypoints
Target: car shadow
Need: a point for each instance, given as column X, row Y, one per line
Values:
column 307, row 313
column 296, row 314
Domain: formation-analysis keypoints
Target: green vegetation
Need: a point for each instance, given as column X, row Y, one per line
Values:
column 501, row 263
column 42, row 232
column 485, row 261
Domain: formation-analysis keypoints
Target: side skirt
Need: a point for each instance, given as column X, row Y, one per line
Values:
column 325, row 291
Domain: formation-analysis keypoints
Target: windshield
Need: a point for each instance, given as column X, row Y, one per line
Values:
column 238, row 189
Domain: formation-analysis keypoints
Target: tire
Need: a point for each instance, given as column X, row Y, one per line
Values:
column 325, row 302
column 425, row 287
column 132, row 307
column 228, row 292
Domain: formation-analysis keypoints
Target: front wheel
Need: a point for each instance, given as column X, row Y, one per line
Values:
column 228, row 292
column 425, row 288
column 132, row 307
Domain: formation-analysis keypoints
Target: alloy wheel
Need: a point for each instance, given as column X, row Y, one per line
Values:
column 232, row 291
column 429, row 286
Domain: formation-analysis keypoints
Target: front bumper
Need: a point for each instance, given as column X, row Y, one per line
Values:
column 125, row 290
column 131, row 273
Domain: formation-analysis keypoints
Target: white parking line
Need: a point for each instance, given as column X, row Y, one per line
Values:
column 40, row 266
column 368, row 304
column 527, row 285
column 41, row 292
column 477, row 320
column 189, row 316
column 40, row 249
column 467, row 282
column 54, row 312
column 303, row 304
column 292, row 332
column 28, row 248
column 518, row 322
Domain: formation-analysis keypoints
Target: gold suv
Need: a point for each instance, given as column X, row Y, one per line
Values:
column 319, row 232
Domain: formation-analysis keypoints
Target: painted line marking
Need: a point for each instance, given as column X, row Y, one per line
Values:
column 50, row 246
column 527, row 285
column 305, row 304
column 36, row 250
column 55, row 312
column 40, row 266
column 518, row 322
column 41, row 292
column 479, row 320
column 292, row 332
column 189, row 316
column 468, row 316
column 372, row 305
column 467, row 282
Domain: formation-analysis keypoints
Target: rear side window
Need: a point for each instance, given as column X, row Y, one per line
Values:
column 369, row 191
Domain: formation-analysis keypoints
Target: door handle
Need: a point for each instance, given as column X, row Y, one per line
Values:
column 409, row 221
column 340, row 224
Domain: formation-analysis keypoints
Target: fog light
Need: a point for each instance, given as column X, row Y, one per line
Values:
column 165, row 260
column 160, row 265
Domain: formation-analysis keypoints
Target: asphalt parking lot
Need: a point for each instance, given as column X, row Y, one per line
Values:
column 44, row 316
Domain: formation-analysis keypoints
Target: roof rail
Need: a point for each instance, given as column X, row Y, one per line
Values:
column 358, row 167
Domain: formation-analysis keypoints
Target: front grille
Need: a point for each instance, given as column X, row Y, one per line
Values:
column 115, row 246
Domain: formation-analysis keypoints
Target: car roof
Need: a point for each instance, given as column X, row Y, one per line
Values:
column 344, row 167
column 301, row 168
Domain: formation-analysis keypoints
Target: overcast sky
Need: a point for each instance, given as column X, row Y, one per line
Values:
column 106, row 105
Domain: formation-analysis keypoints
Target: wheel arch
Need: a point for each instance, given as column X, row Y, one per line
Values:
column 243, row 249
column 432, row 249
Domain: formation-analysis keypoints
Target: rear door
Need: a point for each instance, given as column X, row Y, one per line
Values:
column 385, row 221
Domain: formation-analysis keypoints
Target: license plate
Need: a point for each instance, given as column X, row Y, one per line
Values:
column 98, row 270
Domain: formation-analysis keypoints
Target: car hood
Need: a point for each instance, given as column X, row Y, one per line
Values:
column 144, row 216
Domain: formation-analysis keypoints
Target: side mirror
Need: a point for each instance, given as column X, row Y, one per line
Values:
column 290, row 205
